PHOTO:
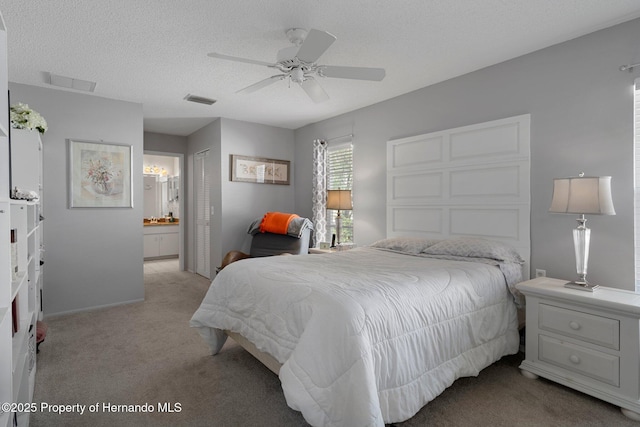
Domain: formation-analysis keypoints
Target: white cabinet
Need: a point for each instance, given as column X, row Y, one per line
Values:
column 168, row 244
column 6, row 291
column 587, row 341
column 26, row 299
column 20, row 306
column 161, row 241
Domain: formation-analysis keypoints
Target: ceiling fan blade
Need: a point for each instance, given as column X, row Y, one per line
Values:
column 238, row 59
column 314, row 45
column 358, row 73
column 314, row 90
column 262, row 83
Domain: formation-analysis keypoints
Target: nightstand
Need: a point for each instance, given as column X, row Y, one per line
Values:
column 586, row 341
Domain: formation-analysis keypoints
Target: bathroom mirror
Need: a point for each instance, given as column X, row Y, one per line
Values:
column 161, row 185
column 170, row 196
column 161, row 196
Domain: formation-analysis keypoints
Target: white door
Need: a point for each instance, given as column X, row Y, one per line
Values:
column 202, row 188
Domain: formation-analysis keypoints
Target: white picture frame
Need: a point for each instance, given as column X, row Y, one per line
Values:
column 100, row 174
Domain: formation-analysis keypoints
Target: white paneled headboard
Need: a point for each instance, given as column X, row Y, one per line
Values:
column 467, row 181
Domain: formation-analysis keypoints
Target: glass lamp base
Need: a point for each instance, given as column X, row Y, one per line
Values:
column 581, row 286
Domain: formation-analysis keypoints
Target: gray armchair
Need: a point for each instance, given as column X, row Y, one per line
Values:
column 269, row 244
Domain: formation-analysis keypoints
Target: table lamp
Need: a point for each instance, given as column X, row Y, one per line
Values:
column 582, row 195
column 340, row 200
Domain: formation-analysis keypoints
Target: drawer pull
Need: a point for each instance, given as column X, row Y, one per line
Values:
column 574, row 359
column 574, row 325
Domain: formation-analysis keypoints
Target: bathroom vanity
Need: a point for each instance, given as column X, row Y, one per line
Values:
column 161, row 239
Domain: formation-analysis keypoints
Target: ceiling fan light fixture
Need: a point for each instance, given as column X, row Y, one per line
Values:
column 297, row 75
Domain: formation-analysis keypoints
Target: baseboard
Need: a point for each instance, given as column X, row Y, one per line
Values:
column 97, row 307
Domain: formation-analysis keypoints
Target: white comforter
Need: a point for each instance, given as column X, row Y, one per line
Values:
column 366, row 336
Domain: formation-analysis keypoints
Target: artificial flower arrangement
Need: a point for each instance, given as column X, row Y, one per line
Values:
column 23, row 117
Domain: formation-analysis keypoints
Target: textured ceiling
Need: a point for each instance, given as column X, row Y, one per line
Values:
column 155, row 52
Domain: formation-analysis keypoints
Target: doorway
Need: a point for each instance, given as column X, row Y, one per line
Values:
column 163, row 207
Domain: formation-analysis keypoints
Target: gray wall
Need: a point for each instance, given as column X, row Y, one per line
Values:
column 581, row 112
column 243, row 202
column 236, row 204
column 165, row 143
column 93, row 257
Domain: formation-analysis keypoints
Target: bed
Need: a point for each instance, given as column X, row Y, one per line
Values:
column 370, row 335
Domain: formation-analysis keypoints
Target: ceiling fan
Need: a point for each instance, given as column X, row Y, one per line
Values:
column 298, row 64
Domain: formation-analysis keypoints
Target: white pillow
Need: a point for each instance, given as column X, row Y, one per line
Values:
column 475, row 248
column 412, row 245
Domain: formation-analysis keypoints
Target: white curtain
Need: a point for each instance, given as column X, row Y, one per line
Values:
column 319, row 195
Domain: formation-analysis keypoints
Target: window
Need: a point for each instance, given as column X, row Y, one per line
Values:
column 340, row 177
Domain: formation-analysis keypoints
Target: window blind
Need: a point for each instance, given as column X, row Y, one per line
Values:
column 340, row 167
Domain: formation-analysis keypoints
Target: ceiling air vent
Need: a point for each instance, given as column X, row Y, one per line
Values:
column 200, row 99
column 69, row 82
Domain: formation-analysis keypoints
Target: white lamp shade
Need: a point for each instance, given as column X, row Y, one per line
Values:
column 339, row 199
column 582, row 195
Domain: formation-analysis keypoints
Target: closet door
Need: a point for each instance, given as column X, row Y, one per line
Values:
column 202, row 174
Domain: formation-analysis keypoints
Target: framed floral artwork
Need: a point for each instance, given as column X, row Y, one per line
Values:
column 100, row 175
column 259, row 170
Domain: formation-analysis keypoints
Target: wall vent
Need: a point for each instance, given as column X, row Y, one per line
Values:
column 200, row 99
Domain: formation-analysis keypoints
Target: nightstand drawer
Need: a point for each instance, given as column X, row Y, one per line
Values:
column 586, row 327
column 591, row 363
